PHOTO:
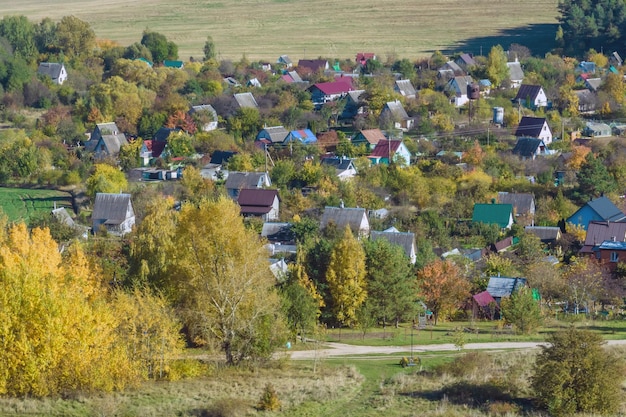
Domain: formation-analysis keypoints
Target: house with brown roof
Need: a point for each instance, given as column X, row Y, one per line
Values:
column 259, row 203
column 369, row 138
column 390, row 150
column 601, row 231
column 312, row 66
column 114, row 213
column 327, row 141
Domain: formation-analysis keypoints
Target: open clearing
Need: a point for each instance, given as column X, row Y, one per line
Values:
column 21, row 203
column 265, row 29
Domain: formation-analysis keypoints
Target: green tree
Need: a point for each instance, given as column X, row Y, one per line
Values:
column 300, row 306
column 594, row 178
column 106, row 179
column 227, row 291
column 346, row 278
column 575, row 374
column 20, row 33
column 75, row 38
column 210, row 52
column 391, row 286
column 497, row 70
column 160, row 48
column 522, row 311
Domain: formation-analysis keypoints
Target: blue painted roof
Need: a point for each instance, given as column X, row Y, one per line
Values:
column 606, row 209
column 609, row 244
column 303, row 135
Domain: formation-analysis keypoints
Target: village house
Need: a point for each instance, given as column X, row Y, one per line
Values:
column 312, row 66
column 531, row 96
column 601, row 231
column 344, row 167
column 516, row 74
column 597, row 130
column 246, row 100
column 272, row 135
column 393, row 112
column 390, row 150
column 114, row 213
column 261, row 203
column 599, row 209
column 530, row 148
column 499, row 214
column 457, row 88
column 305, row 136
column 523, row 205
column 406, row 240
column 54, row 70
column 340, row 217
column 106, row 140
column 206, row 117
column 534, row 127
column 324, row 92
column 369, row 138
column 404, row 88
column 238, row 181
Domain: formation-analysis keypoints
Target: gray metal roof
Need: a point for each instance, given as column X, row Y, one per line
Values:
column 516, row 73
column 397, row 110
column 404, row 239
column 342, row 217
column 241, row 180
column 522, row 202
column 246, row 100
column 111, row 207
column 51, row 69
column 606, row 209
column 504, row 286
column 405, row 88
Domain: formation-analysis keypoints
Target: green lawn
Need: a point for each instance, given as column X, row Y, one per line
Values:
column 21, row 203
column 265, row 29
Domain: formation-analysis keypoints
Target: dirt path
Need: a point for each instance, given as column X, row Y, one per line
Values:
column 331, row 349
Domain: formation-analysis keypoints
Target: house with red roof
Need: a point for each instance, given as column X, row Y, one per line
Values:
column 324, row 92
column 363, row 57
column 387, row 150
column 259, row 203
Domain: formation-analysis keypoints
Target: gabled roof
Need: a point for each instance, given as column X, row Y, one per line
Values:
column 257, row 200
column 527, row 92
column 173, row 64
column 341, row 164
column 111, row 136
column 504, row 286
column 111, row 207
column 163, row 133
column 593, row 83
column 483, row 299
column 291, row 77
column 327, row 139
column 459, row 84
column 615, row 57
column 516, row 73
column 278, row 232
column 364, row 56
column 339, row 86
column 544, row 233
column 243, row 180
column 606, row 209
column 499, row 214
column 453, row 66
column 467, row 59
column 384, row 147
column 522, row 202
column 527, row 147
column 397, row 110
column 598, row 232
column 63, row 216
column 530, row 126
column 204, row 108
column 277, row 134
column 404, row 239
column 373, row 136
column 313, row 65
column 155, row 147
column 284, row 59
column 342, row 217
column 303, row 135
column 51, row 69
column 355, row 95
column 405, row 88
column 246, row 100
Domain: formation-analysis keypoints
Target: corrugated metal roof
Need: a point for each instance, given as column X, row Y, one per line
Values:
column 112, row 207
column 483, row 299
column 504, row 286
column 530, row 126
column 527, row 91
column 522, row 202
column 499, row 214
column 257, row 197
column 343, row 217
column 246, row 100
column 406, row 240
column 242, row 180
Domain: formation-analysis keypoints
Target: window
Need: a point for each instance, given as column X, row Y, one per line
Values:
column 614, row 256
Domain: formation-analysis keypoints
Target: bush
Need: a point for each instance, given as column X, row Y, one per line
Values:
column 269, row 400
column 575, row 374
column 227, row 407
column 186, row 368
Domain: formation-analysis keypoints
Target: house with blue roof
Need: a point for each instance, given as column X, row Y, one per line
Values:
column 610, row 252
column 305, row 136
column 599, row 209
column 502, row 287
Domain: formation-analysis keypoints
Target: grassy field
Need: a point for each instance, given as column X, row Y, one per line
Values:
column 21, row 203
column 265, row 29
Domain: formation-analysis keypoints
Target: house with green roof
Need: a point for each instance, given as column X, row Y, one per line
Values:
column 500, row 214
column 174, row 64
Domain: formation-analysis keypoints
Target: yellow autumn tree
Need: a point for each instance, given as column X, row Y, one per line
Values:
column 346, row 278
column 57, row 333
column 227, row 291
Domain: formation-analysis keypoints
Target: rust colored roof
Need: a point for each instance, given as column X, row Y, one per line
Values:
column 257, row 197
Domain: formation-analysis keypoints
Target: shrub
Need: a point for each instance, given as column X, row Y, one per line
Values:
column 186, row 368
column 269, row 399
column 227, row 407
column 464, row 365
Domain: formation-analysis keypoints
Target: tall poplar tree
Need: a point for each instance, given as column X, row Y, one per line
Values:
column 346, row 278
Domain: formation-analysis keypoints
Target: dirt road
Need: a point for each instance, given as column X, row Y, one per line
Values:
column 331, row 350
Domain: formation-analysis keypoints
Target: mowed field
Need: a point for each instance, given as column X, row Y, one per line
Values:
column 21, row 203
column 266, row 29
